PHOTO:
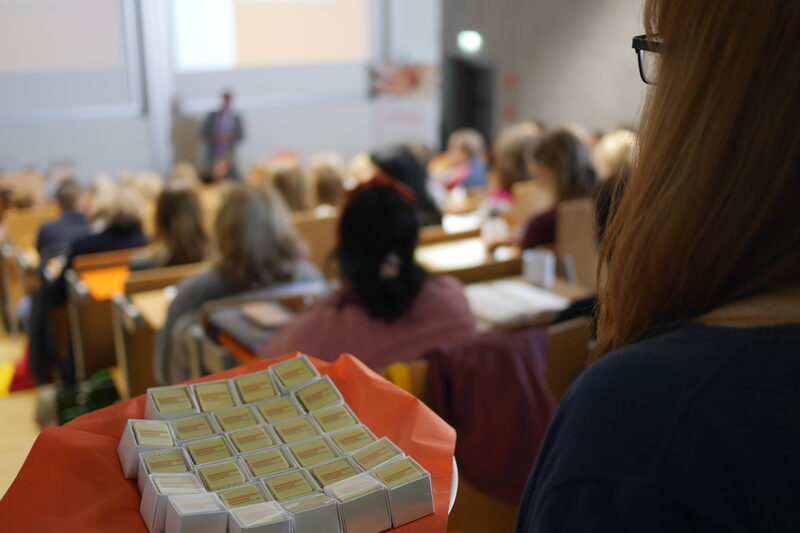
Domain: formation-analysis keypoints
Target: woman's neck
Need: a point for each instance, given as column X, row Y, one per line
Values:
column 769, row 309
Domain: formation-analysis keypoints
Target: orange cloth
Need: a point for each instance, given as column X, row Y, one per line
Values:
column 106, row 282
column 72, row 480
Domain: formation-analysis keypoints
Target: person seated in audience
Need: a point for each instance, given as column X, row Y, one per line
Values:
column 186, row 172
column 289, row 180
column 389, row 308
column 327, row 176
column 179, row 234
column 55, row 238
column 509, row 166
column 399, row 164
column 687, row 418
column 614, row 153
column 257, row 248
column 561, row 164
column 464, row 162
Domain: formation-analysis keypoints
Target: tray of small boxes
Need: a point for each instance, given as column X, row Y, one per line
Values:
column 276, row 451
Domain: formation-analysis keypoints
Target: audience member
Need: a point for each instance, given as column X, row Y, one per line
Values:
column 689, row 420
column 464, row 162
column 399, row 164
column 614, row 153
column 55, row 237
column 560, row 162
column 257, row 248
column 289, row 180
column 327, row 176
column 389, row 308
column 186, row 172
column 509, row 165
column 179, row 234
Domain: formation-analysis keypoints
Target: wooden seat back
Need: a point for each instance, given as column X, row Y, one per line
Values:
column 576, row 245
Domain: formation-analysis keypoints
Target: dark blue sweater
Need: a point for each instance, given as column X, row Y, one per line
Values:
column 697, row 429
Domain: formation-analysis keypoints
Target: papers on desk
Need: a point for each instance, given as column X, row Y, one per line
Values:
column 509, row 303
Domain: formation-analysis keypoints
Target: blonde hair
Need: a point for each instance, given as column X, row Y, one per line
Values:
column 710, row 213
column 290, row 181
column 256, row 241
column 615, row 152
column 186, row 172
column 326, row 174
column 470, row 141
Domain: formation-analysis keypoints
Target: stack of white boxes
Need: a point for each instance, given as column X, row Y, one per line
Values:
column 277, row 451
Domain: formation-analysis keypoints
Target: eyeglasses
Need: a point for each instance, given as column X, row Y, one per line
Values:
column 647, row 52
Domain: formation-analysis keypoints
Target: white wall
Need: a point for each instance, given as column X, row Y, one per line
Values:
column 571, row 59
column 334, row 113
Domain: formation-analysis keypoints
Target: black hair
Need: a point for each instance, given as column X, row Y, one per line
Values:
column 400, row 164
column 378, row 234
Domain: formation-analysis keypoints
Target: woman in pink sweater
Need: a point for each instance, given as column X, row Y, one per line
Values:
column 389, row 309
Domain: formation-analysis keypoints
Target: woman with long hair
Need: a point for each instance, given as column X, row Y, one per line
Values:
column 257, row 248
column 389, row 308
column 689, row 418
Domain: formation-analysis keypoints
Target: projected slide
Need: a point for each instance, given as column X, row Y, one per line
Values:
column 230, row 34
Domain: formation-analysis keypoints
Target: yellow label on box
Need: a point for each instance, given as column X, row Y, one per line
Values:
column 278, row 410
column 309, row 502
column 192, row 428
column 255, row 387
column 398, row 473
column 177, row 484
column 288, row 486
column 208, row 450
column 172, row 400
column 265, row 463
column 221, row 476
column 333, row 418
column 350, row 440
column 312, row 453
column 153, row 434
column 251, row 439
column 214, row 396
column 355, row 487
column 295, row 430
column 199, row 504
column 165, row 463
column 330, row 473
column 318, row 395
column 375, row 454
column 241, row 496
column 238, row 418
column 294, row 372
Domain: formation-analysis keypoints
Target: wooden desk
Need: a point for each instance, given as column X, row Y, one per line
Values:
column 153, row 306
column 469, row 261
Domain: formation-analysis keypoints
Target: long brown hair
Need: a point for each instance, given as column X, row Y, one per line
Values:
column 256, row 241
column 566, row 154
column 712, row 210
column 179, row 225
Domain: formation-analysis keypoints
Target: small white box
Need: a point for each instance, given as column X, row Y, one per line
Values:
column 155, row 496
column 222, row 474
column 215, row 395
column 153, row 434
column 335, row 417
column 293, row 373
column 268, row 462
column 351, row 439
column 243, row 495
column 317, row 513
column 255, row 387
column 297, row 429
column 239, row 417
column 194, row 427
column 362, row 504
column 266, row 517
column 200, row 513
column 279, row 409
column 290, row 485
column 377, row 453
column 209, row 450
column 318, row 394
column 176, row 461
column 311, row 452
column 253, row 438
column 334, row 471
column 169, row 403
column 409, row 489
